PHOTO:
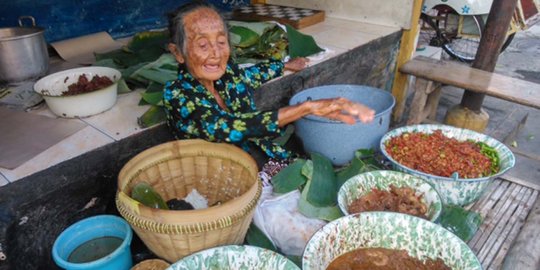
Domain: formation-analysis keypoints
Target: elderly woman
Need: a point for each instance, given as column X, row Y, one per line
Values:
column 212, row 98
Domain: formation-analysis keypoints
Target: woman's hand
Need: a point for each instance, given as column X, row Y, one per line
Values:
column 296, row 64
column 340, row 109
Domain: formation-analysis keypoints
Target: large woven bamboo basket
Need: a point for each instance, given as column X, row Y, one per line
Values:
column 224, row 174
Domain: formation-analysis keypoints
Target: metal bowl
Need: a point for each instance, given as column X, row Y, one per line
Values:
column 81, row 105
column 457, row 191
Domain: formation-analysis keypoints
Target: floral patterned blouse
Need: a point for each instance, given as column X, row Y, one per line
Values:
column 193, row 112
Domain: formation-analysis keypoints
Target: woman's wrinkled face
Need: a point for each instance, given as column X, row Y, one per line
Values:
column 207, row 46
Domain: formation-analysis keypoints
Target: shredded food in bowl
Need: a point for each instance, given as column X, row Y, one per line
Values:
column 439, row 155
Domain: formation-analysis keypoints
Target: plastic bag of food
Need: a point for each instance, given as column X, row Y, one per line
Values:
column 278, row 218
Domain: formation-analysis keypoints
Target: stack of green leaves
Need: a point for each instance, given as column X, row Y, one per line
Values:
column 320, row 182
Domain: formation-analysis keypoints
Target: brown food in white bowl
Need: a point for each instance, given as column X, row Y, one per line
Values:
column 83, row 85
column 383, row 259
column 397, row 199
column 67, row 103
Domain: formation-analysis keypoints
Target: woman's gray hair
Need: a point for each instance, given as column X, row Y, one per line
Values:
column 177, row 31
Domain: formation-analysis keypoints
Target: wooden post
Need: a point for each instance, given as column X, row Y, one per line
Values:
column 406, row 50
column 493, row 37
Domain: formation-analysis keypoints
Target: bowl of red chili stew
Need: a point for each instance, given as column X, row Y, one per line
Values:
column 389, row 191
column 458, row 163
column 386, row 240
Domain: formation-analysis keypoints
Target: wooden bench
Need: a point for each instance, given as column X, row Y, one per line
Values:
column 432, row 73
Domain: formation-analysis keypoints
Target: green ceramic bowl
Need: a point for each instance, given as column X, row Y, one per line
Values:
column 361, row 184
column 235, row 257
column 457, row 191
column 422, row 239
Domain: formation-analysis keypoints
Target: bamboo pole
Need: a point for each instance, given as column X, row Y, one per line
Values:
column 406, row 49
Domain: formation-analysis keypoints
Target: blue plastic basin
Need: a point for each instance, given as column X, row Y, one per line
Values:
column 89, row 229
column 336, row 140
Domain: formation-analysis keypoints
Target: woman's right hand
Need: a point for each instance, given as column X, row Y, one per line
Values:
column 342, row 109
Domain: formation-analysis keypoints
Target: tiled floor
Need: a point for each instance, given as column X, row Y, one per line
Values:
column 336, row 35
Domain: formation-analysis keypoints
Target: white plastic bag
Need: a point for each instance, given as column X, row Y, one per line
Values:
column 278, row 218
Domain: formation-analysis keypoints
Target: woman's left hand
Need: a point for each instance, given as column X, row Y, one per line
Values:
column 296, row 64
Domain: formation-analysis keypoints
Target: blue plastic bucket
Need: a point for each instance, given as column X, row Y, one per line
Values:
column 90, row 229
column 336, row 140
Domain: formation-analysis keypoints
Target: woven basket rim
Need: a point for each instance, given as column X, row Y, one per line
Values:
column 131, row 210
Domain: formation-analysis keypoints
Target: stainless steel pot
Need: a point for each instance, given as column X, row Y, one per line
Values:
column 23, row 52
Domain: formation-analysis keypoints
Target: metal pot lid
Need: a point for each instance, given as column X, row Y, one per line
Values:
column 13, row 33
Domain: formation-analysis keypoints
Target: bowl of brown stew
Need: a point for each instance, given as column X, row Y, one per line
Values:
column 386, row 240
column 459, row 163
column 79, row 92
column 389, row 191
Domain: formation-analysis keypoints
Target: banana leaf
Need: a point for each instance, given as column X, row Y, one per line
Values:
column 153, row 98
column 289, row 178
column 363, row 161
column 122, row 87
column 145, row 46
column 327, row 213
column 256, row 237
column 160, row 71
column 322, row 191
column 301, row 45
column 258, row 27
column 242, row 37
column 153, row 116
column 153, row 87
column 463, row 223
column 307, row 170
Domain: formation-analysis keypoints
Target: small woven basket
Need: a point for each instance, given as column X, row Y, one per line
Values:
column 224, row 174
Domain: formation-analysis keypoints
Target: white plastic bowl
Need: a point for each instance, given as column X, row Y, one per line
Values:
column 82, row 105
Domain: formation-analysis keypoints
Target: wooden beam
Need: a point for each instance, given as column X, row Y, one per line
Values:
column 406, row 50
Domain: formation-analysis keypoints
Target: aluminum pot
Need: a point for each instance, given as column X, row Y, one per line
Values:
column 23, row 52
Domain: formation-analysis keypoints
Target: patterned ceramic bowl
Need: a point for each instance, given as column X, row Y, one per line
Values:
column 456, row 191
column 235, row 257
column 360, row 185
column 420, row 238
